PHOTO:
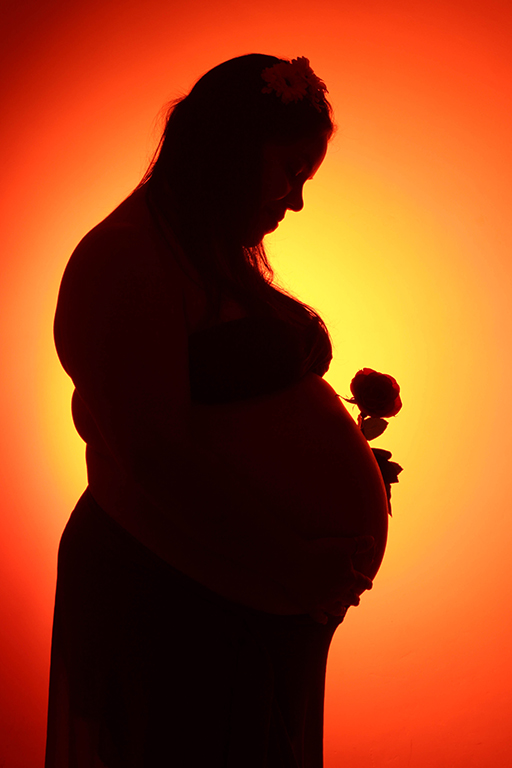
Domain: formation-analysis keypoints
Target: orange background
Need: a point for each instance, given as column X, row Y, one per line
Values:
column 404, row 246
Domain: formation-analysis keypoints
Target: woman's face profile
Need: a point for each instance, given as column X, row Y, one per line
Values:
column 285, row 170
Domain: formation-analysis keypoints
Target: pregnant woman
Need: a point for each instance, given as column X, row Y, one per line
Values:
column 233, row 510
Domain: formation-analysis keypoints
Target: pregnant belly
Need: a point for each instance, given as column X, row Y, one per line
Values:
column 301, row 450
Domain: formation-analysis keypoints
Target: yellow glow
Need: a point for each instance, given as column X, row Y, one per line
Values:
column 403, row 246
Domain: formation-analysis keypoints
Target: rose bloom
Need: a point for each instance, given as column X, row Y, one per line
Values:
column 375, row 394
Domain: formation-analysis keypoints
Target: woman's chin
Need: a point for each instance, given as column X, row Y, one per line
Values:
column 256, row 238
column 259, row 231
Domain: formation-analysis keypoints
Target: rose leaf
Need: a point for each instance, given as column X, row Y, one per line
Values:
column 373, row 427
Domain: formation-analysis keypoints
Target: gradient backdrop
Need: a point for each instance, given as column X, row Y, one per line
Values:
column 404, row 246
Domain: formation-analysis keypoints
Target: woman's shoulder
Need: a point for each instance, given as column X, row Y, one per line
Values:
column 121, row 296
column 125, row 268
column 125, row 240
column 126, row 255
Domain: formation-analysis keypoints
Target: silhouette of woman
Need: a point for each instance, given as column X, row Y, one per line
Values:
column 233, row 509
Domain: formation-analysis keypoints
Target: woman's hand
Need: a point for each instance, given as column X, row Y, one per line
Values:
column 326, row 578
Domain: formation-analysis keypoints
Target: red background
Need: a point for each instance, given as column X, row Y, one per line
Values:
column 404, row 245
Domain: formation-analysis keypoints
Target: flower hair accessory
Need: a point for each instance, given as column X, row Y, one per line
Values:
column 377, row 395
column 294, row 81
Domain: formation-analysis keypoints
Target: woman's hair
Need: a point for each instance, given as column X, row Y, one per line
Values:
column 205, row 179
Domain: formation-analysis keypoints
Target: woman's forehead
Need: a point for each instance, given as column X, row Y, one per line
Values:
column 312, row 146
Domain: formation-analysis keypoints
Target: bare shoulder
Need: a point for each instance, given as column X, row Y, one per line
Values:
column 127, row 245
column 113, row 252
column 121, row 333
column 123, row 268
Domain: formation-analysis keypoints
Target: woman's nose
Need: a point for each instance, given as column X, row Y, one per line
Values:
column 295, row 201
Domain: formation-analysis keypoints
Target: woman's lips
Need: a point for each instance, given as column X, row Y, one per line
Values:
column 270, row 220
column 275, row 216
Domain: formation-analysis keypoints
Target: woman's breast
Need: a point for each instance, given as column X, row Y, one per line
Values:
column 301, row 450
column 85, row 424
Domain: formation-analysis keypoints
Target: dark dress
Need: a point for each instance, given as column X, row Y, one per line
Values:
column 150, row 669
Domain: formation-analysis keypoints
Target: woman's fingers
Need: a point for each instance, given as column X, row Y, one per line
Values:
column 363, row 544
column 362, row 583
column 327, row 576
column 355, row 545
column 321, row 617
column 352, row 547
column 355, row 582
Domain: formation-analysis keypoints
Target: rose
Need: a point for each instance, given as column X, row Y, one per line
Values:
column 375, row 394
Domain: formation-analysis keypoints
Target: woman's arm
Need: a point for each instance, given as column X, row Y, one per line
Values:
column 121, row 334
